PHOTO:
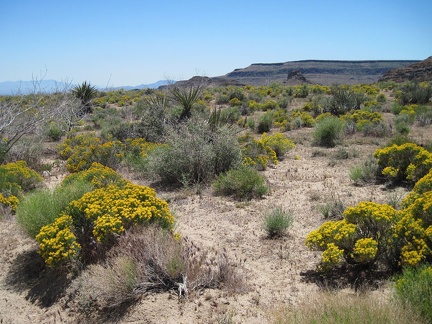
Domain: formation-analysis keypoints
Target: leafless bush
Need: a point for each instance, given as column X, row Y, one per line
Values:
column 151, row 259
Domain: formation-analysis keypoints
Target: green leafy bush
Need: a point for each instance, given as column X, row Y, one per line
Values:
column 414, row 290
column 329, row 131
column 243, row 183
column 265, row 123
column 195, row 153
column 414, row 93
column 277, row 221
column 42, row 207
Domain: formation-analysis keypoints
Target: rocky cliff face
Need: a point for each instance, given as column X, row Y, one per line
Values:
column 316, row 72
column 420, row 71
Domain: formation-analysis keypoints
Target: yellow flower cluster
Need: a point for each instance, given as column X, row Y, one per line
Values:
column 362, row 118
column 365, row 250
column 114, row 208
column 10, row 201
column 404, row 162
column 371, row 231
column 268, row 148
column 332, row 232
column 57, row 242
column 140, row 147
column 16, row 177
column 98, row 175
column 331, row 257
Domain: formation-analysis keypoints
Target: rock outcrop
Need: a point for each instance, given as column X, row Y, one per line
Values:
column 421, row 71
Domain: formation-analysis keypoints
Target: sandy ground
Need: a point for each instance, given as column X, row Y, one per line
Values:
column 272, row 269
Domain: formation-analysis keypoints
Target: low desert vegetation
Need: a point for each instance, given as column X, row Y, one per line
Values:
column 106, row 229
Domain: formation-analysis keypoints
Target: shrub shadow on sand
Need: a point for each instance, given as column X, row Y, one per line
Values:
column 44, row 286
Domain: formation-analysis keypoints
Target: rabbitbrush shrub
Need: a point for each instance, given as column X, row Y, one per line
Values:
column 98, row 218
column 373, row 234
column 404, row 162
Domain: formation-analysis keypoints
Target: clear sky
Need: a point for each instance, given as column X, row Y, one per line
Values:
column 133, row 42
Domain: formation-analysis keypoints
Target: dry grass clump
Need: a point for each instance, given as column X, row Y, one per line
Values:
column 151, row 259
column 329, row 308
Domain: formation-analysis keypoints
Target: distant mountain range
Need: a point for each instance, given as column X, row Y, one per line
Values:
column 26, row 87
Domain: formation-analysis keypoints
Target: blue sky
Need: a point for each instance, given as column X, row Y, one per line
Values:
column 133, row 42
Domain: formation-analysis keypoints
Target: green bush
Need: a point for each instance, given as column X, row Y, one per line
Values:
column 195, row 153
column 42, row 207
column 277, row 221
column 365, row 172
column 54, row 131
column 265, row 123
column 414, row 93
column 414, row 290
column 243, row 183
column 329, row 131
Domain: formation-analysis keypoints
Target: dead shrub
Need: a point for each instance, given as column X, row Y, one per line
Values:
column 152, row 259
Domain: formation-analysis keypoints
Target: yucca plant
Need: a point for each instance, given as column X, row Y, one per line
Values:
column 86, row 93
column 186, row 97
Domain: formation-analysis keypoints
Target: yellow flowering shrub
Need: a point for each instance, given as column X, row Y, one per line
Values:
column 82, row 150
column 57, row 242
column 98, row 175
column 365, row 250
column 363, row 236
column 404, row 162
column 95, row 220
column 10, row 201
column 267, row 149
column 363, row 118
column 114, row 208
column 16, row 177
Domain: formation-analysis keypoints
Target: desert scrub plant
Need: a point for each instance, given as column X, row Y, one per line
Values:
column 85, row 92
column 97, row 175
column 414, row 290
column 414, row 93
column 265, row 123
column 258, row 154
column 277, row 222
column 328, row 131
column 363, row 119
column 278, row 142
column 186, row 97
column 149, row 259
column 99, row 217
column 339, row 308
column 57, row 242
column 195, row 152
column 243, row 183
column 17, row 178
column 82, row 150
column 364, row 173
column 42, row 207
column 404, row 162
column 364, row 236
